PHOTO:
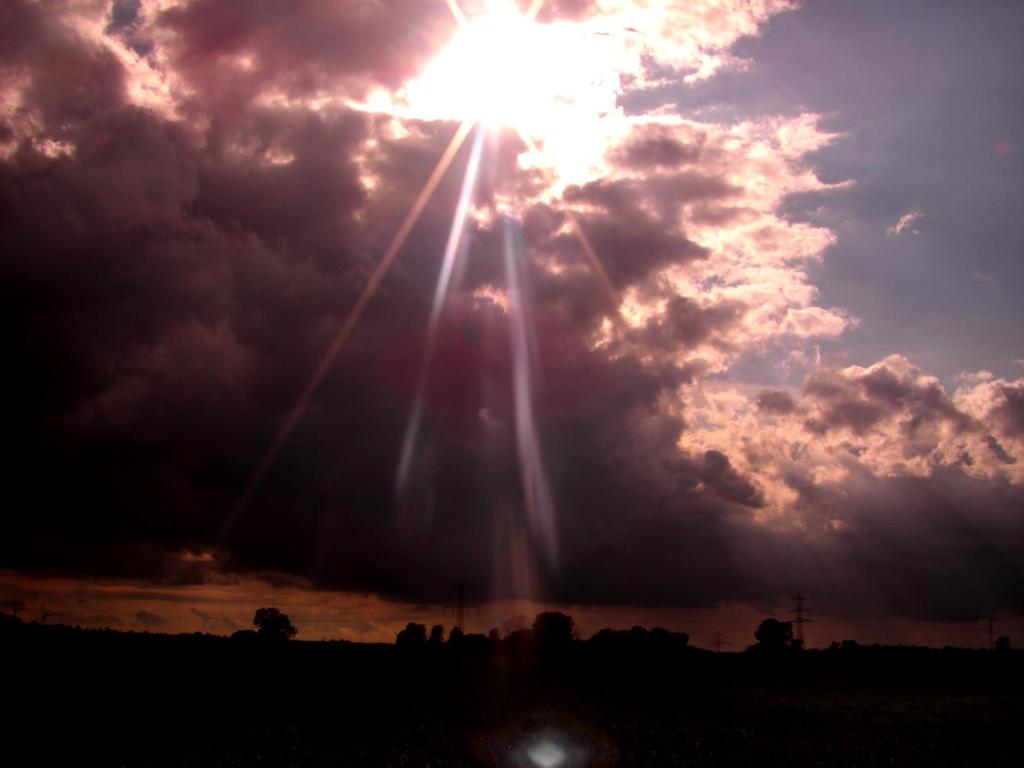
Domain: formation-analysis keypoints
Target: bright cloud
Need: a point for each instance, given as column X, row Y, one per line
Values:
column 905, row 223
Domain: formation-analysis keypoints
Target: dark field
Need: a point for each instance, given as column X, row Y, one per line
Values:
column 105, row 698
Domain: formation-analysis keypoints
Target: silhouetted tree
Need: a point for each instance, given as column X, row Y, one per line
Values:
column 774, row 635
column 455, row 636
column 14, row 606
column 638, row 641
column 513, row 624
column 519, row 642
column 270, row 622
column 553, row 630
column 848, row 646
column 474, row 644
column 1003, row 644
column 493, row 636
column 436, row 635
column 662, row 638
column 413, row 636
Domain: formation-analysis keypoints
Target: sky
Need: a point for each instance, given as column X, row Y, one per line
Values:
column 655, row 312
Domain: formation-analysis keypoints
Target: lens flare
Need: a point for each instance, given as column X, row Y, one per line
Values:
column 588, row 249
column 540, row 510
column 546, row 754
column 341, row 338
column 456, row 10
column 549, row 80
column 451, row 254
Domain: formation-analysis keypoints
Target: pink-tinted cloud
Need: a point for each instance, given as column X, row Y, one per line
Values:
column 194, row 200
column 905, row 223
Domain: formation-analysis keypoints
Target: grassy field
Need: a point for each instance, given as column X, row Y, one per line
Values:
column 138, row 700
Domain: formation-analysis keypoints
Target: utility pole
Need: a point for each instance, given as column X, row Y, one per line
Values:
column 462, row 597
column 719, row 642
column 800, row 612
column 460, row 606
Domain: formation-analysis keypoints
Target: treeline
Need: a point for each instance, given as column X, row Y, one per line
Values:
column 552, row 632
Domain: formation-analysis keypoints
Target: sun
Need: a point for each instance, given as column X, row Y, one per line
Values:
column 505, row 69
column 554, row 83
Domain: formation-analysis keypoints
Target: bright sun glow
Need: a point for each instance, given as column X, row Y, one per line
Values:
column 504, row 69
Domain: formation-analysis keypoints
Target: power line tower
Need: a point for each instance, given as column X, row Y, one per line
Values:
column 45, row 615
column 719, row 642
column 463, row 597
column 801, row 612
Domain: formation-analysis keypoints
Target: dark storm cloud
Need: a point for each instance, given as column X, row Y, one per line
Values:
column 947, row 547
column 1010, row 412
column 123, row 14
column 147, row 619
column 216, row 624
column 776, row 402
column 168, row 296
column 68, row 80
column 635, row 526
column 686, row 323
column 860, row 401
column 663, row 194
column 141, row 294
column 169, row 286
column 627, row 223
column 727, row 482
column 234, row 50
column 301, row 203
column 655, row 147
column 998, row 451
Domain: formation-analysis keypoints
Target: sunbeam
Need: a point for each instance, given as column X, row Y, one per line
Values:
column 350, row 322
column 460, row 17
column 588, row 249
column 451, row 254
column 536, row 491
column 595, row 262
column 535, row 8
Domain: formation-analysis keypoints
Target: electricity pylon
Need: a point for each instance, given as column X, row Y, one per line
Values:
column 800, row 611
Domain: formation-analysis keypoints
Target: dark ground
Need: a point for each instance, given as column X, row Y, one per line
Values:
column 105, row 698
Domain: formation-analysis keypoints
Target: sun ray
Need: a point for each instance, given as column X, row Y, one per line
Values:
column 460, row 17
column 595, row 261
column 451, row 254
column 588, row 249
column 535, row 8
column 537, row 497
column 327, row 360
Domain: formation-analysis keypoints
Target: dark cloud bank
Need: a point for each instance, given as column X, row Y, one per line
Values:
column 167, row 292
